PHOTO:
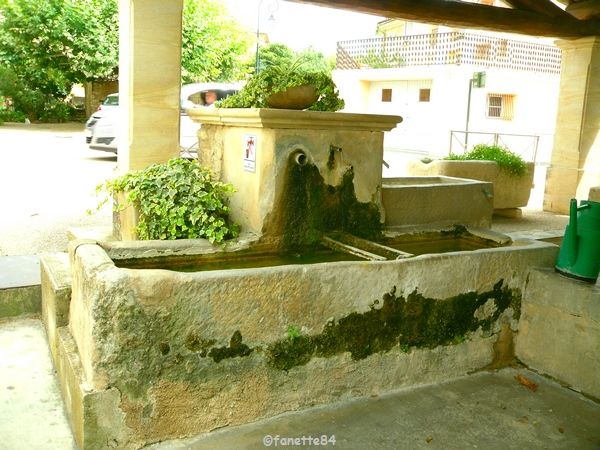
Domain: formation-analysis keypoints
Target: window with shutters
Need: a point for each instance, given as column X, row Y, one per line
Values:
column 500, row 106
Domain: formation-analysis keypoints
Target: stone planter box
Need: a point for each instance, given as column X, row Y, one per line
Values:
column 509, row 191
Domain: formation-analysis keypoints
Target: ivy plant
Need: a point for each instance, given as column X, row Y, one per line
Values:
column 278, row 78
column 508, row 161
column 175, row 200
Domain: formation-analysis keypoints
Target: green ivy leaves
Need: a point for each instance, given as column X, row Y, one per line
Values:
column 177, row 200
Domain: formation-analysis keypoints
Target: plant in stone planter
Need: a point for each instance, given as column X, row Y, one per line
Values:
column 507, row 161
column 175, row 200
column 511, row 175
column 273, row 87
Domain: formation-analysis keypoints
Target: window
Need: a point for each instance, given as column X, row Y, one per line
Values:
column 424, row 95
column 386, row 95
column 500, row 106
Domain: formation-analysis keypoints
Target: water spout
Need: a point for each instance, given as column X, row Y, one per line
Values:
column 300, row 158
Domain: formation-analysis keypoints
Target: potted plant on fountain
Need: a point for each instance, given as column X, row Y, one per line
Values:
column 511, row 175
column 287, row 87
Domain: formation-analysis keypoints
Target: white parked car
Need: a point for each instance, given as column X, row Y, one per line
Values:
column 101, row 127
column 99, row 132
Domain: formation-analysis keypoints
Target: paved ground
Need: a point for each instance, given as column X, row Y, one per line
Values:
column 47, row 182
column 32, row 415
column 487, row 410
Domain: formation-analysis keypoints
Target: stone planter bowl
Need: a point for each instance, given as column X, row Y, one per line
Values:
column 510, row 191
column 297, row 97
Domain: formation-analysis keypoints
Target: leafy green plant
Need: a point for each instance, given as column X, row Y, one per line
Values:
column 12, row 116
column 278, row 78
column 507, row 160
column 293, row 332
column 175, row 200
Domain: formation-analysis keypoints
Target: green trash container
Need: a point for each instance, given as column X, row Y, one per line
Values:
column 579, row 255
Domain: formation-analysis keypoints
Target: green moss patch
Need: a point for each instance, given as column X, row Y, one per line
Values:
column 396, row 321
column 236, row 348
column 311, row 208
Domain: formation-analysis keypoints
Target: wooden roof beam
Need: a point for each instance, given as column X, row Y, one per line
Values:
column 587, row 9
column 545, row 7
column 468, row 15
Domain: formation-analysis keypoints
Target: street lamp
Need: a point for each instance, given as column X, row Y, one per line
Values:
column 274, row 7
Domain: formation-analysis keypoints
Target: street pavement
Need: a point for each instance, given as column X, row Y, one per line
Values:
column 48, row 177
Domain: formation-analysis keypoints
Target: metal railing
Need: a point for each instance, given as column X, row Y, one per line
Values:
column 455, row 47
column 524, row 145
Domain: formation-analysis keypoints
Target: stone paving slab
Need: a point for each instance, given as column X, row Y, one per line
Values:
column 32, row 414
column 19, row 271
column 486, row 410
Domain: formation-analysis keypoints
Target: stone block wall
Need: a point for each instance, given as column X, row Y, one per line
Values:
column 559, row 330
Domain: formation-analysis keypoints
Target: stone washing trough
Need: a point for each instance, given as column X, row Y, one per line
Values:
column 437, row 201
column 147, row 354
column 159, row 340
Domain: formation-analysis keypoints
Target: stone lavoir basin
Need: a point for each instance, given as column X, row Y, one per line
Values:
column 149, row 354
column 158, row 340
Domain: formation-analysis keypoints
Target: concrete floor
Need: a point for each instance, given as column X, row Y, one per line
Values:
column 32, row 415
column 486, row 410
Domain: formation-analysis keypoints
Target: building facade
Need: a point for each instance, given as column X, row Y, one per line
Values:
column 444, row 82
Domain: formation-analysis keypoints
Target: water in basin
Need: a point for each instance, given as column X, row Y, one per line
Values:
column 443, row 245
column 228, row 261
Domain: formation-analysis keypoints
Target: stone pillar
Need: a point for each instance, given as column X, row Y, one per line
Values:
column 575, row 164
column 149, row 81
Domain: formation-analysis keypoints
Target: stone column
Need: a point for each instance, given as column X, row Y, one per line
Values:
column 575, row 163
column 149, row 81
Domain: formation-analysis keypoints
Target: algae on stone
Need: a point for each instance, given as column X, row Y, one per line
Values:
column 310, row 208
column 412, row 321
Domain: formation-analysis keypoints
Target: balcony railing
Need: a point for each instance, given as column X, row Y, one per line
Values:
column 458, row 48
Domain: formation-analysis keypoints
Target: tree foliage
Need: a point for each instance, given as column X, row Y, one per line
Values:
column 49, row 45
column 52, row 44
column 212, row 43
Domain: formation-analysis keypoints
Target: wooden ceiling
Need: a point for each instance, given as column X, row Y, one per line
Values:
column 580, row 18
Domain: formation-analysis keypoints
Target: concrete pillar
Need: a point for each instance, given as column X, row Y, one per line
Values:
column 149, row 81
column 575, row 163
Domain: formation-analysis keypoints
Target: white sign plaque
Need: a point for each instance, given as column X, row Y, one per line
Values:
column 250, row 145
